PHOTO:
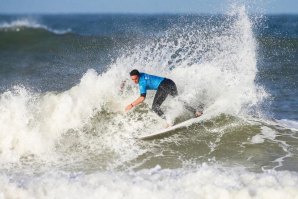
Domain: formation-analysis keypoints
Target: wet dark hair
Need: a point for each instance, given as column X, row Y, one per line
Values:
column 134, row 72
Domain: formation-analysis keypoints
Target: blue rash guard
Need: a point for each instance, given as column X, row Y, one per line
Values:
column 148, row 82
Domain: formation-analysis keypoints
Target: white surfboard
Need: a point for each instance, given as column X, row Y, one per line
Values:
column 170, row 130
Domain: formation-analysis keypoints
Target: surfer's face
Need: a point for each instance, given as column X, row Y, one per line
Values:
column 135, row 79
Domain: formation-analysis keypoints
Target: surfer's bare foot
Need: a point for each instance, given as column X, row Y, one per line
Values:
column 168, row 125
column 198, row 113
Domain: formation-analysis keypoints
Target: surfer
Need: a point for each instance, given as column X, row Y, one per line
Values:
column 163, row 87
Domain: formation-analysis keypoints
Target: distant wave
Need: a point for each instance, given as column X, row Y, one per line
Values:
column 18, row 24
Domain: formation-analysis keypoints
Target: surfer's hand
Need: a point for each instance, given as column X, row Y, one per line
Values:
column 128, row 107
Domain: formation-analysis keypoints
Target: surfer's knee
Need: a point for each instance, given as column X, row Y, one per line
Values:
column 156, row 109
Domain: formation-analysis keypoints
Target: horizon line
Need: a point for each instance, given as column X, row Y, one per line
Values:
column 138, row 13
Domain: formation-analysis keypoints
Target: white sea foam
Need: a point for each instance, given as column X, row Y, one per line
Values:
column 18, row 24
column 291, row 124
column 266, row 133
column 35, row 123
column 204, row 182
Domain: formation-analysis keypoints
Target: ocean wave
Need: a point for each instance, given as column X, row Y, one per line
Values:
column 203, row 182
column 89, row 118
column 222, row 79
column 19, row 24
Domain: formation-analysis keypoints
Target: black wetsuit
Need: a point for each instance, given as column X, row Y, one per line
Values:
column 166, row 87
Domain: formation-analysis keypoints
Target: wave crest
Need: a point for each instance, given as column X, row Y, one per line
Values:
column 19, row 24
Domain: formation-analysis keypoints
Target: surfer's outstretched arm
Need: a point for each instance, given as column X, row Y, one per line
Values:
column 135, row 103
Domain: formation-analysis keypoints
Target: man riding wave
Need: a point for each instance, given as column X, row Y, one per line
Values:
column 163, row 87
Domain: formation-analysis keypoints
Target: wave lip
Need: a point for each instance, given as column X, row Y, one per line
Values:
column 19, row 24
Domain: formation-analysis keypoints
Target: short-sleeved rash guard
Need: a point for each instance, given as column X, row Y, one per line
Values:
column 148, row 82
